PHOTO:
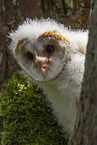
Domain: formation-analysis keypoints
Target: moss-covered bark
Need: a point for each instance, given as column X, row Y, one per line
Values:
column 27, row 118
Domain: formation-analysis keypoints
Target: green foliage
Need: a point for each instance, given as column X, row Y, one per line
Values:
column 27, row 118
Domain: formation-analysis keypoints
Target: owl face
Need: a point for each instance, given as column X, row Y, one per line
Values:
column 42, row 59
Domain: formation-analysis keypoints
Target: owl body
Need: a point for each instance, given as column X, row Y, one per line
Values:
column 53, row 57
column 63, row 93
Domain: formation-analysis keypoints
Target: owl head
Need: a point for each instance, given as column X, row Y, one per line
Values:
column 41, row 53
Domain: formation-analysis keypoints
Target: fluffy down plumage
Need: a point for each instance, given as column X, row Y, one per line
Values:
column 53, row 56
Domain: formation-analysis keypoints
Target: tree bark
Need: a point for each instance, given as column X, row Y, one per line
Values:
column 8, row 20
column 86, row 132
column 74, row 14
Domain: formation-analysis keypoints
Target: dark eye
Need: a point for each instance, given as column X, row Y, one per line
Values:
column 50, row 48
column 29, row 56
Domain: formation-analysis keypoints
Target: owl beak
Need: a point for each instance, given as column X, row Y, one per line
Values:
column 42, row 62
column 44, row 68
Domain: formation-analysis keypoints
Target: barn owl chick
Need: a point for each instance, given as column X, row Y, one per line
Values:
column 53, row 57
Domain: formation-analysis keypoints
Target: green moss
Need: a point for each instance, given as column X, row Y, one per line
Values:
column 27, row 118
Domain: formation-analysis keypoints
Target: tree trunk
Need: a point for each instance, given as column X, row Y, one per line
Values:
column 74, row 13
column 8, row 20
column 86, row 132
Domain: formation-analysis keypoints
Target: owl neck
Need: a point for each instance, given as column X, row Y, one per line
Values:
column 63, row 105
